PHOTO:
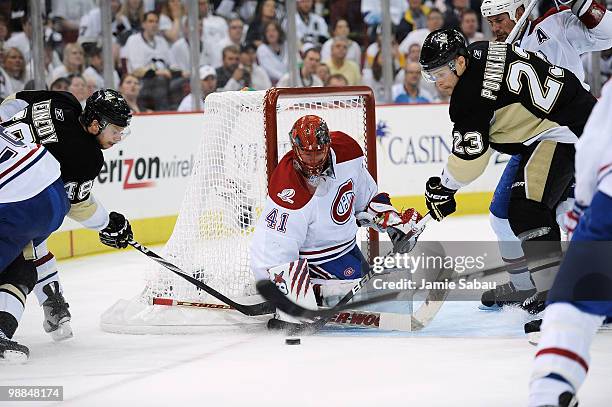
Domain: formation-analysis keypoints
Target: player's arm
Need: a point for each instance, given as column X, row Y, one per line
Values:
column 593, row 30
column 468, row 160
column 114, row 229
column 278, row 236
column 594, row 142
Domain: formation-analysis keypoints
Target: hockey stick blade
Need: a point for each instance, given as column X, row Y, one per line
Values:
column 270, row 292
column 262, row 308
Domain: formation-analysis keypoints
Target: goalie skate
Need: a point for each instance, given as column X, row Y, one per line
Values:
column 11, row 351
column 57, row 316
column 502, row 295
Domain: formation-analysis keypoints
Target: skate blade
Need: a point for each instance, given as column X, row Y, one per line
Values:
column 534, row 338
column 492, row 308
column 13, row 357
column 62, row 333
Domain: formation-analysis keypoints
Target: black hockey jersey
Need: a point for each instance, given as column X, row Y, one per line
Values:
column 51, row 119
column 507, row 99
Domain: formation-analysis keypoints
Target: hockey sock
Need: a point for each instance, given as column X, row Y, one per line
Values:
column 46, row 268
column 562, row 358
column 511, row 252
column 521, row 279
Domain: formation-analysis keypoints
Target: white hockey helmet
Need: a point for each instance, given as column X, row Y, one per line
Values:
column 490, row 8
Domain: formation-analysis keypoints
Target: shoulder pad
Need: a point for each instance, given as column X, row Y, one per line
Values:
column 345, row 147
column 287, row 188
column 550, row 12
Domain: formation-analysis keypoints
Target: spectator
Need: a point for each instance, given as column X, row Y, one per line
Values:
column 469, row 26
column 236, row 29
column 60, row 84
column 130, row 89
column 337, row 79
column 78, row 87
column 90, row 27
column 231, row 60
column 92, row 85
column 73, row 62
column 414, row 18
column 148, row 57
column 6, row 88
column 410, row 91
column 342, row 29
column 248, row 74
column 180, row 54
column 372, row 13
column 14, row 65
column 21, row 40
column 272, row 54
column 133, row 11
column 414, row 52
column 208, row 84
column 452, row 15
column 67, row 16
column 266, row 13
column 95, row 70
column 214, row 28
column 323, row 73
column 435, row 20
column 172, row 12
column 374, row 47
column 4, row 31
column 309, row 27
column 308, row 71
column 339, row 64
column 373, row 77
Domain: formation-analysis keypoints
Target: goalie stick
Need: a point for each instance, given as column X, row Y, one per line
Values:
column 249, row 310
column 269, row 291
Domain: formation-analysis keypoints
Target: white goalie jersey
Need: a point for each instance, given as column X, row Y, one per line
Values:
column 319, row 226
column 563, row 38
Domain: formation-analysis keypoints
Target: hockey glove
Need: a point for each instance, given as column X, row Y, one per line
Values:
column 589, row 12
column 572, row 218
column 439, row 199
column 118, row 231
column 404, row 234
column 378, row 213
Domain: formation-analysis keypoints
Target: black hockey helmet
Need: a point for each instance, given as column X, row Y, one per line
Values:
column 440, row 48
column 107, row 106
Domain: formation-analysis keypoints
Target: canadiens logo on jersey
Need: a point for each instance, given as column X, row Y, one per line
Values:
column 342, row 206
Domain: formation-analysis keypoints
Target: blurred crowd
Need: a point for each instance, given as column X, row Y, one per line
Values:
column 243, row 45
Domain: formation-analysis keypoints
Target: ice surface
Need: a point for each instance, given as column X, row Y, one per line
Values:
column 465, row 357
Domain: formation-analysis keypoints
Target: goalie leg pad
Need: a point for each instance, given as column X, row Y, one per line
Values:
column 562, row 358
column 293, row 280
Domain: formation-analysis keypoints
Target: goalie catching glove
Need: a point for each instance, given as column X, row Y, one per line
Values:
column 439, row 199
column 118, row 232
column 381, row 216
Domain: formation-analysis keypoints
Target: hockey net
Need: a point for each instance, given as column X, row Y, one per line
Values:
column 246, row 134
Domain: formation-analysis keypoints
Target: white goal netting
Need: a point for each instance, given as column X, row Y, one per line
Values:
column 225, row 197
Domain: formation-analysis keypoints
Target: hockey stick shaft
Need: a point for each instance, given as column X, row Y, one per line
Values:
column 342, row 304
column 521, row 22
column 249, row 310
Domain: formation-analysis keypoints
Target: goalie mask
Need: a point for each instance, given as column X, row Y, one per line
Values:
column 310, row 141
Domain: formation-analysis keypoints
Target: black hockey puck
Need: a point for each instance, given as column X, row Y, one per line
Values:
column 292, row 341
